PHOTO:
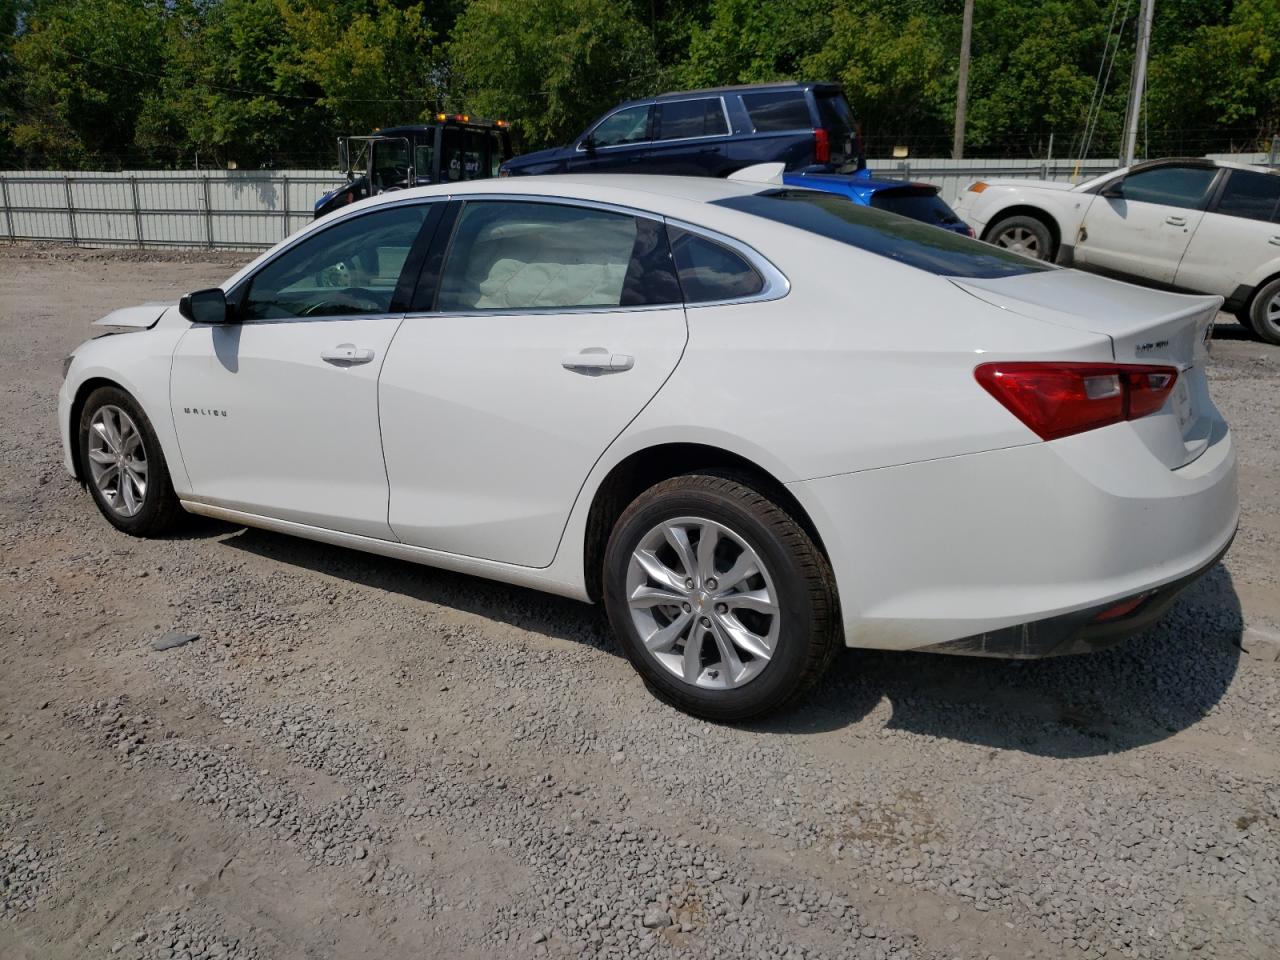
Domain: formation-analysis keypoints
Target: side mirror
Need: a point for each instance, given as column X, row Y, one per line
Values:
column 1114, row 190
column 204, row 306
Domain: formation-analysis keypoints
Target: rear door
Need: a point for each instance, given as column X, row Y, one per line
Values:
column 545, row 330
column 688, row 140
column 1144, row 232
column 1238, row 235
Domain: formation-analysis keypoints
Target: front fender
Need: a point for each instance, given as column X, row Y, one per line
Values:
column 138, row 363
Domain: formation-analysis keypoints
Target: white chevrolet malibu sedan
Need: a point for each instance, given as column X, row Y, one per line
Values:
column 756, row 422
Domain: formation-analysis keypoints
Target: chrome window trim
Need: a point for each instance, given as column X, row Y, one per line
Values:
column 776, row 285
column 287, row 245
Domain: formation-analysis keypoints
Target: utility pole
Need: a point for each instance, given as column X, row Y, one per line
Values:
column 962, row 82
column 1138, row 82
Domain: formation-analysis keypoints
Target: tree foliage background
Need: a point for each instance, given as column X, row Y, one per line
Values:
column 111, row 83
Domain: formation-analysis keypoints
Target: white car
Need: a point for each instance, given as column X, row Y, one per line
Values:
column 759, row 423
column 1201, row 226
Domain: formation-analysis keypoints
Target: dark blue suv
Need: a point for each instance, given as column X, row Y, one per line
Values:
column 807, row 126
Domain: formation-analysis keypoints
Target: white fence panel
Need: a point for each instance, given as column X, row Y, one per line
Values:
column 220, row 208
column 253, row 209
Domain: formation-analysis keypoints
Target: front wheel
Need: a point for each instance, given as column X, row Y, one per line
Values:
column 1264, row 312
column 1028, row 236
column 722, row 602
column 123, row 465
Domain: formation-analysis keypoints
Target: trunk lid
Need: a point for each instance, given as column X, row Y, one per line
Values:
column 1144, row 326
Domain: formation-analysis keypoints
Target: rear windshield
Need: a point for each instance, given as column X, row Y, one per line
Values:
column 906, row 241
column 834, row 111
column 923, row 205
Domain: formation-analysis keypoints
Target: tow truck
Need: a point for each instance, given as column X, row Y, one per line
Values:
column 455, row 147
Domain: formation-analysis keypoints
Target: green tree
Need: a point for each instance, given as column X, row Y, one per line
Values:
column 744, row 41
column 84, row 71
column 552, row 65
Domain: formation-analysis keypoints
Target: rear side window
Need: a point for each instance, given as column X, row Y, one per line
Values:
column 710, row 271
column 923, row 205
column 681, row 119
column 834, row 112
column 1254, row 196
column 906, row 241
column 1171, row 186
column 782, row 110
column 511, row 256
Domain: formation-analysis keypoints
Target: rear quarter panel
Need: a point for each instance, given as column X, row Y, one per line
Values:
column 865, row 363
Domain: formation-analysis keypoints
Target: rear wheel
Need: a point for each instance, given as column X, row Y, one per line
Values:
column 1023, row 234
column 1264, row 312
column 720, row 599
column 123, row 465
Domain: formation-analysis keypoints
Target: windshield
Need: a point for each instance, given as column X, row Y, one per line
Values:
column 390, row 163
column 897, row 238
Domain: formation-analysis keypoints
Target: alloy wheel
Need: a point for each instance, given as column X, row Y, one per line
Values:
column 703, row 603
column 118, row 460
column 1020, row 240
column 1271, row 314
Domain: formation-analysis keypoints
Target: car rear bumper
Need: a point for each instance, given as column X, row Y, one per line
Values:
column 1082, row 631
column 1015, row 552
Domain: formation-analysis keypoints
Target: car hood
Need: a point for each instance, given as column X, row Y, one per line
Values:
column 548, row 155
column 142, row 317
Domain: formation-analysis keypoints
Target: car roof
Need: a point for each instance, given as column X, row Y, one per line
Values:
column 1199, row 162
column 751, row 88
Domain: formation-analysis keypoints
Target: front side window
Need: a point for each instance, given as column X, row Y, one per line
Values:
column 910, row 242
column 350, row 269
column 683, row 119
column 512, row 255
column 497, row 155
column 1184, row 187
column 423, row 170
column 390, row 164
column 710, row 271
column 1254, row 196
column 785, row 110
column 626, row 126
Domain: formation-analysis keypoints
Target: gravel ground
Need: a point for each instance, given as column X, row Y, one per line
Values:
column 361, row 757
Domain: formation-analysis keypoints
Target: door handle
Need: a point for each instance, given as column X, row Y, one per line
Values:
column 346, row 355
column 597, row 360
column 1275, row 240
column 1176, row 221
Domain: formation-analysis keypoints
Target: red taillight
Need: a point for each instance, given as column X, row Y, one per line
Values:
column 821, row 146
column 1059, row 399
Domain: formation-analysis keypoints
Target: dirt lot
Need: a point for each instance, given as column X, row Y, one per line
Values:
column 361, row 757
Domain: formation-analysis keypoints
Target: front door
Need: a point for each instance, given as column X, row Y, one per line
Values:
column 277, row 415
column 616, row 143
column 1144, row 231
column 551, row 326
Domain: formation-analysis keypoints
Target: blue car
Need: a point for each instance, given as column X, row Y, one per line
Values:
column 919, row 201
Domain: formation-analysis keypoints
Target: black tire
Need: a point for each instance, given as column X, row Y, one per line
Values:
column 1019, row 232
column 808, row 633
column 1246, row 321
column 1264, row 322
column 160, row 511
